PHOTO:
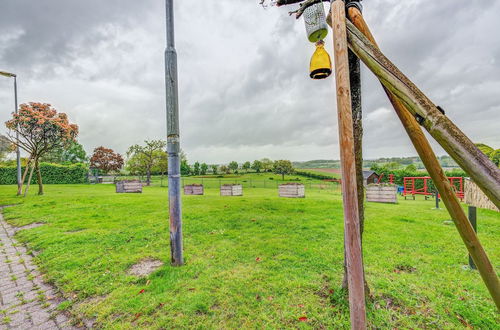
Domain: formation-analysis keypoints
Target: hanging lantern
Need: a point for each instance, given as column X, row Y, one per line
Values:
column 321, row 65
column 315, row 19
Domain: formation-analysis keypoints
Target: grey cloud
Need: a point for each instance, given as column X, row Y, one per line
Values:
column 243, row 73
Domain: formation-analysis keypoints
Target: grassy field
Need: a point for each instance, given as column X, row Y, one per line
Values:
column 257, row 261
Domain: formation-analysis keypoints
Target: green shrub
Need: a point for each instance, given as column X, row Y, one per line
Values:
column 314, row 175
column 51, row 174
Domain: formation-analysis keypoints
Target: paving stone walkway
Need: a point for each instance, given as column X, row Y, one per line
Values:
column 26, row 301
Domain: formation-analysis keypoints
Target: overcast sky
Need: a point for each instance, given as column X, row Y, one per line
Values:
column 244, row 87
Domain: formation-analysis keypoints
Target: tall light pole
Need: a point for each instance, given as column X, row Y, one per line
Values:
column 173, row 143
column 18, row 152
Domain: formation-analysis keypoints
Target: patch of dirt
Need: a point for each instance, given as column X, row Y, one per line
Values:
column 404, row 268
column 30, row 226
column 145, row 267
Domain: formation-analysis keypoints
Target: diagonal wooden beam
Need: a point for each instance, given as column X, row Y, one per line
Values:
column 432, row 165
column 481, row 169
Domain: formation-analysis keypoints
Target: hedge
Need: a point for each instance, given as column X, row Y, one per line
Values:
column 51, row 174
column 314, row 175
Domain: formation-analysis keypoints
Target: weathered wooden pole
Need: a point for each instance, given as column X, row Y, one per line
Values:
column 473, row 222
column 481, row 169
column 357, row 121
column 352, row 237
column 173, row 142
column 439, row 178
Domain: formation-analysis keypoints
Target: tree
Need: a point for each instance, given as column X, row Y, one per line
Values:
column 196, row 168
column 485, row 149
column 246, row 166
column 411, row 168
column 283, row 167
column 203, row 169
column 392, row 166
column 148, row 155
column 233, row 166
column 106, row 160
column 224, row 169
column 214, row 169
column 185, row 168
column 257, row 165
column 495, row 157
column 71, row 154
column 5, row 146
column 161, row 166
column 41, row 129
column 267, row 164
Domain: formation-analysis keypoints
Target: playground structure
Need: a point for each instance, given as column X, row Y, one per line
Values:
column 353, row 42
column 410, row 187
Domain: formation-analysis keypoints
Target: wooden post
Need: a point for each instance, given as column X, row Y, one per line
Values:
column 473, row 222
column 352, row 237
column 481, row 169
column 440, row 180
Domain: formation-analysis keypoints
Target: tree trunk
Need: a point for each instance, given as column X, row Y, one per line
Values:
column 148, row 177
column 29, row 180
column 357, row 121
column 282, row 177
column 20, row 187
column 39, row 178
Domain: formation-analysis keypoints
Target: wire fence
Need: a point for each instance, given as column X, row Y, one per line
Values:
column 215, row 183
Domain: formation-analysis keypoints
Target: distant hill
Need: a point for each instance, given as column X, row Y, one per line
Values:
column 445, row 161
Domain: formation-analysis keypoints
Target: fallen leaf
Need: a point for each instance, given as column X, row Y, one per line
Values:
column 192, row 289
column 136, row 317
column 300, row 306
column 257, row 297
column 303, row 319
column 141, row 292
column 149, row 281
column 270, row 298
column 257, row 259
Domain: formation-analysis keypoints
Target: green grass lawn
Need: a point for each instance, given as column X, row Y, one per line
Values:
column 257, row 261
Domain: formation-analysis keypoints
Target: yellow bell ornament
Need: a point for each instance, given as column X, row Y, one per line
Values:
column 321, row 64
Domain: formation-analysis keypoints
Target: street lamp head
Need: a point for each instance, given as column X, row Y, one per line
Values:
column 7, row 74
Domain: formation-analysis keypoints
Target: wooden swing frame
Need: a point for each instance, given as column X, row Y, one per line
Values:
column 414, row 110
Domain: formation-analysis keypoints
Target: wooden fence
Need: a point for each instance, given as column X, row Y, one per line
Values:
column 475, row 197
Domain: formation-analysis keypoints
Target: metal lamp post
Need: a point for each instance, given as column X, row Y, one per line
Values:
column 18, row 152
column 173, row 145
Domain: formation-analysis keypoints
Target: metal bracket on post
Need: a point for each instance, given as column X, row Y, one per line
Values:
column 354, row 3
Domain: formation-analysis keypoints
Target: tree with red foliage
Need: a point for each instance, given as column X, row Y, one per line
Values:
column 41, row 129
column 106, row 160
